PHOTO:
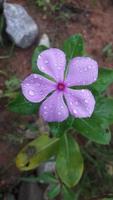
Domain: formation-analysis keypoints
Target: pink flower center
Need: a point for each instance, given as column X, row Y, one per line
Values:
column 61, row 86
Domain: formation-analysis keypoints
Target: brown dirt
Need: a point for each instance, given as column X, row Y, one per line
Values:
column 94, row 20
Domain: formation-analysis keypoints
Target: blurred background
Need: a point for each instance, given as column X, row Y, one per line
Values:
column 58, row 20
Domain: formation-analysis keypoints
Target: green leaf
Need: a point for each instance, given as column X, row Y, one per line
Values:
column 36, row 152
column 96, row 128
column 93, row 129
column 74, row 46
column 46, row 177
column 22, row 106
column 69, row 161
column 67, row 193
column 58, row 129
column 104, row 109
column 54, row 191
column 105, row 78
column 36, row 53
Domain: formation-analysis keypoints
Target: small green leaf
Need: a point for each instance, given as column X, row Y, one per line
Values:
column 104, row 109
column 105, row 78
column 69, row 161
column 36, row 53
column 58, row 129
column 96, row 128
column 22, row 106
column 67, row 193
column 74, row 46
column 93, row 129
column 54, row 191
column 46, row 177
column 36, row 152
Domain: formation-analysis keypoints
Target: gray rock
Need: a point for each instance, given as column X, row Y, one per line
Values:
column 20, row 26
column 48, row 166
column 30, row 191
column 44, row 40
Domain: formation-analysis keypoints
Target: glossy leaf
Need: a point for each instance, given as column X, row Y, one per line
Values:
column 105, row 78
column 54, row 191
column 69, row 161
column 36, row 53
column 104, row 109
column 67, row 193
column 96, row 128
column 58, row 129
column 22, row 106
column 73, row 46
column 37, row 151
column 93, row 129
column 46, row 177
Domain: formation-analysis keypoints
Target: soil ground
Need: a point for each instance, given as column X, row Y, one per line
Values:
column 93, row 19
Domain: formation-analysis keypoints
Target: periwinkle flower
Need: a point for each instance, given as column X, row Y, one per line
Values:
column 61, row 98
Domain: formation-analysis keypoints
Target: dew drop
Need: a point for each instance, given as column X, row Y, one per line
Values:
column 75, row 111
column 35, row 76
column 31, row 93
column 85, row 69
column 86, row 101
column 46, row 61
column 27, row 84
column 83, row 91
column 59, row 113
column 45, row 107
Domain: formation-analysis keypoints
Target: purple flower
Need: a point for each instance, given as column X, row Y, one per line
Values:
column 62, row 99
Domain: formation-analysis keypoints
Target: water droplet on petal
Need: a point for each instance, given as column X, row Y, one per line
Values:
column 85, row 69
column 46, row 61
column 59, row 113
column 31, row 93
column 75, row 111
column 27, row 84
column 86, row 101
column 35, row 76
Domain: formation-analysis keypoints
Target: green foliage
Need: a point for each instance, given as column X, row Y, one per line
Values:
column 105, row 78
column 37, row 151
column 73, row 46
column 22, row 106
column 46, row 177
column 67, row 194
column 69, row 162
column 2, row 22
column 108, row 50
column 54, row 190
column 50, row 5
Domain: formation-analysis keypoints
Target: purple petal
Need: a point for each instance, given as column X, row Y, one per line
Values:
column 53, row 109
column 81, row 103
column 35, row 87
column 82, row 71
column 52, row 62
